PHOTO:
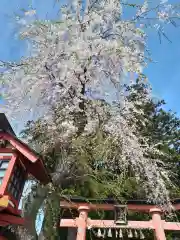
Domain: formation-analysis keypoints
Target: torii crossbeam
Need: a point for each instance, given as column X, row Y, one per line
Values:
column 83, row 222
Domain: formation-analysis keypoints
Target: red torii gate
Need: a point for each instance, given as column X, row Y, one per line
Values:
column 83, row 222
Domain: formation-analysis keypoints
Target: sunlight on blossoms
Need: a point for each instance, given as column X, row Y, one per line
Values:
column 30, row 12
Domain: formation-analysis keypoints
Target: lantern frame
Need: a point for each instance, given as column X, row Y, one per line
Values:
column 17, row 152
column 6, row 178
column 14, row 160
column 22, row 161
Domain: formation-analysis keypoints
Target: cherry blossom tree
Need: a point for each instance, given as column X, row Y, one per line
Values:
column 89, row 50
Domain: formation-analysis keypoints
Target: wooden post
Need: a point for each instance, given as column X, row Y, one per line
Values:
column 158, row 224
column 82, row 222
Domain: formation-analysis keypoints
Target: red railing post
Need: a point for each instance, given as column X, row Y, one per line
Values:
column 158, row 224
column 82, row 222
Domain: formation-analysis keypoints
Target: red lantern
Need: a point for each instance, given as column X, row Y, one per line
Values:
column 17, row 161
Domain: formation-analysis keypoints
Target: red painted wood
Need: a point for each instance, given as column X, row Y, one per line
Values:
column 31, row 160
column 37, row 170
column 82, row 223
column 3, row 238
column 69, row 223
column 175, row 226
column 111, row 224
column 7, row 150
column 16, row 201
column 8, row 173
column 6, row 181
column 10, row 209
column 158, row 224
column 11, row 219
column 176, row 206
column 107, row 224
column 21, row 147
column 106, row 207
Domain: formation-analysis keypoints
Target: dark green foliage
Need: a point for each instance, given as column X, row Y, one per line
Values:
column 161, row 127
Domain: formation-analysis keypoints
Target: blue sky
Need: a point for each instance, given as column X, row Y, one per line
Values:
column 163, row 75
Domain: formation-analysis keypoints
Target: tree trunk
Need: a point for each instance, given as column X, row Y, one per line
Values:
column 50, row 228
column 32, row 208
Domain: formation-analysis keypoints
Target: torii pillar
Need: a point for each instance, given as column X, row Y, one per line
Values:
column 158, row 224
column 82, row 222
